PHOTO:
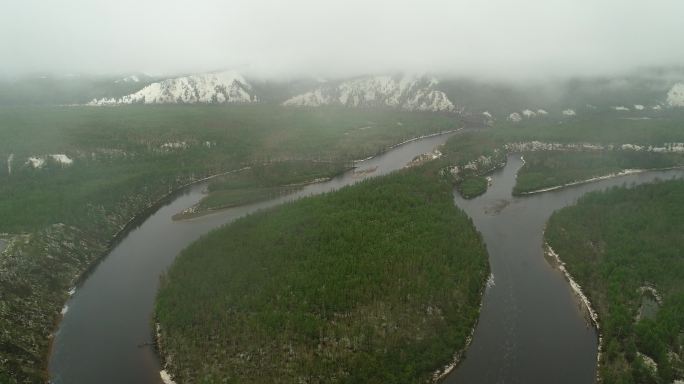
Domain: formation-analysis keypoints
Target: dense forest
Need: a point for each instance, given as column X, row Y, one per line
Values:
column 124, row 151
column 379, row 282
column 624, row 246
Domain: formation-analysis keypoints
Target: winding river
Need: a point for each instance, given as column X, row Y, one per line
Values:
column 105, row 335
column 531, row 328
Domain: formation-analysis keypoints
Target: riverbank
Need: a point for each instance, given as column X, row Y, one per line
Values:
column 241, row 195
column 592, row 315
column 106, row 246
column 410, row 141
column 598, row 178
column 441, row 374
column 552, row 169
column 623, row 244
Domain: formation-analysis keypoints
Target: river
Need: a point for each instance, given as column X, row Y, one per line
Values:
column 530, row 329
column 105, row 335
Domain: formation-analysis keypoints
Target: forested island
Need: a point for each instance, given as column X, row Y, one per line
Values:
column 377, row 282
column 624, row 247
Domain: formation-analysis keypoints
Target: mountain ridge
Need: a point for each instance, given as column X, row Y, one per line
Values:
column 407, row 92
column 210, row 88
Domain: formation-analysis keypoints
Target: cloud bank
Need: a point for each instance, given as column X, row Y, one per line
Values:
column 501, row 39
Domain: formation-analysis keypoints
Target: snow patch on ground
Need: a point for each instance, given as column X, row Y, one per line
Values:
column 314, row 98
column 36, row 162
column 515, row 117
column 174, row 145
column 533, row 146
column 577, row 289
column 675, row 96
column 425, row 157
column 62, row 159
column 653, row 292
column 650, row 363
column 590, row 180
column 9, row 163
column 166, row 377
column 490, row 281
column 529, row 113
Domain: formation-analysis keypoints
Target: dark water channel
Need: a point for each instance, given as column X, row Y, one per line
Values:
column 532, row 328
column 105, row 335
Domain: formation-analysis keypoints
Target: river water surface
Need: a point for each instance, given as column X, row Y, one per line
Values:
column 106, row 333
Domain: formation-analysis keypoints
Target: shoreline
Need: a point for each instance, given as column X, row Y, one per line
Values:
column 408, row 141
column 624, row 172
column 442, row 373
column 192, row 213
column 549, row 253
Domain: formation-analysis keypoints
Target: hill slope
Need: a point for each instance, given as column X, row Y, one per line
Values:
column 407, row 92
column 212, row 88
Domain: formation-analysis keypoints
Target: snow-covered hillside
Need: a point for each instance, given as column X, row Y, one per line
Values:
column 223, row 87
column 675, row 97
column 408, row 92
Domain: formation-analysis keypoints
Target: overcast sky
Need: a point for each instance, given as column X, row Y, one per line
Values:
column 340, row 37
